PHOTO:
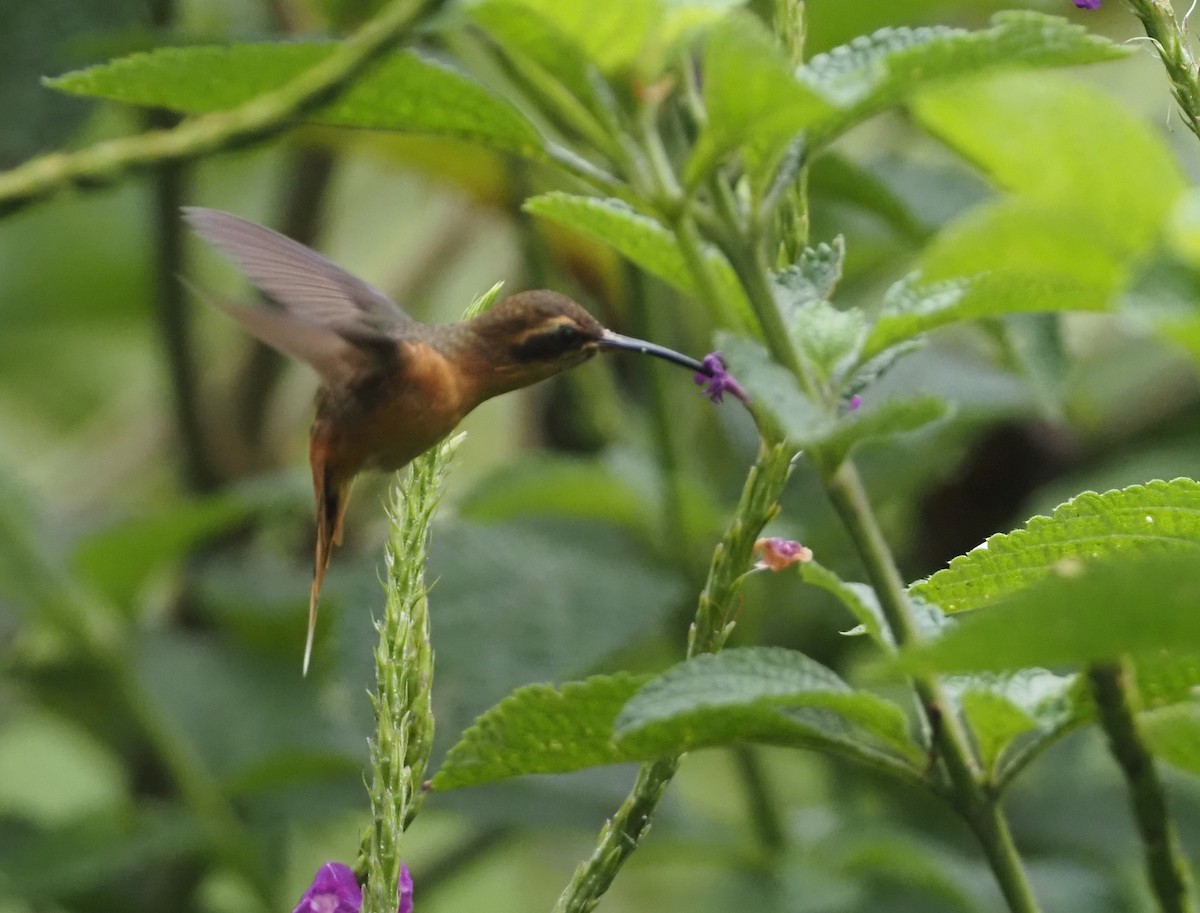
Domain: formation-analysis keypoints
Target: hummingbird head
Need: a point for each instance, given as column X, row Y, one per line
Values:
column 540, row 333
column 536, row 334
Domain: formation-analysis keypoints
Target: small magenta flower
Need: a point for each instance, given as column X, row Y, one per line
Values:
column 336, row 890
column 854, row 403
column 780, row 553
column 1088, row 4
column 717, row 380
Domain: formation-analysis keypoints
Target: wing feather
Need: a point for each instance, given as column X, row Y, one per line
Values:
column 309, row 287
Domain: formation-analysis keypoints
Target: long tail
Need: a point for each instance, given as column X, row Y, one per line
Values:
column 331, row 496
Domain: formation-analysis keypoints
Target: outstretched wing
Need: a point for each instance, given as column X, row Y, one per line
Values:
column 307, row 286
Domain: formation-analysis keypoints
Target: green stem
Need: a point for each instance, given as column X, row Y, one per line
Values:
column 712, row 625
column 1166, row 865
column 747, row 257
column 260, row 117
column 228, row 839
column 1174, row 49
column 172, row 310
column 764, row 809
column 618, row 839
column 169, row 191
column 979, row 808
column 404, row 677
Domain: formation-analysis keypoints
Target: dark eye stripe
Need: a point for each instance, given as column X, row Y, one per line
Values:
column 548, row 344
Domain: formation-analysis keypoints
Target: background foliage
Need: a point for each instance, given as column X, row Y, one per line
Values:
column 158, row 749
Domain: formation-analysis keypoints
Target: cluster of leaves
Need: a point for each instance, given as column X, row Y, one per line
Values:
column 687, row 178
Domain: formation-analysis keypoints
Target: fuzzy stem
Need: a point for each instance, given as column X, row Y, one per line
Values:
column 399, row 752
column 404, row 671
column 1166, row 865
column 712, row 625
column 1174, row 49
column 260, row 117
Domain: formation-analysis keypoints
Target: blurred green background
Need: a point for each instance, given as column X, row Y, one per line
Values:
column 158, row 748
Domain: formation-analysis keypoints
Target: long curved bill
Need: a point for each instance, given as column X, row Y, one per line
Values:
column 616, row 342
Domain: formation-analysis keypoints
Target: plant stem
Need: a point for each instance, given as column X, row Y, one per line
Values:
column 712, row 625
column 618, row 839
column 845, row 490
column 979, row 808
column 1166, row 865
column 764, row 812
column 260, row 117
column 404, row 675
column 169, row 190
column 1174, row 49
column 174, row 323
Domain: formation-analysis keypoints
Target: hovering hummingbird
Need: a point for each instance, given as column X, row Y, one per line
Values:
column 391, row 386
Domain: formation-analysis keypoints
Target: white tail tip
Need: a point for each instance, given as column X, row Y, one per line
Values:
column 308, row 645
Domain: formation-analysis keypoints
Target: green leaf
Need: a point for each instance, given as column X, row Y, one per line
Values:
column 858, row 598
column 1026, row 236
column 1173, row 734
column 193, row 683
column 1145, row 607
column 779, row 697
column 645, row 241
column 1167, row 680
column 1018, row 711
column 49, row 35
column 403, row 92
column 1085, row 139
column 610, row 34
column 814, row 277
column 549, row 62
column 541, row 729
column 1139, row 520
column 873, row 73
column 880, row 420
column 836, row 179
column 90, row 855
column 751, row 99
column 773, row 390
column 517, row 603
column 911, row 306
column 549, row 485
column 117, row 560
column 829, row 337
column 38, row 748
column 749, row 694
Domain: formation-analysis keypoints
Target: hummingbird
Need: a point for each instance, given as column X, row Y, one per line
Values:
column 392, row 386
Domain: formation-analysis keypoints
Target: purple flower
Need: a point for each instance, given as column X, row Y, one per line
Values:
column 1088, row 4
column 406, row 891
column 336, row 890
column 855, row 402
column 780, row 553
column 717, row 381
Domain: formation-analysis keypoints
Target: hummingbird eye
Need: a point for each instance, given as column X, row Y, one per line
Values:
column 568, row 335
column 549, row 343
